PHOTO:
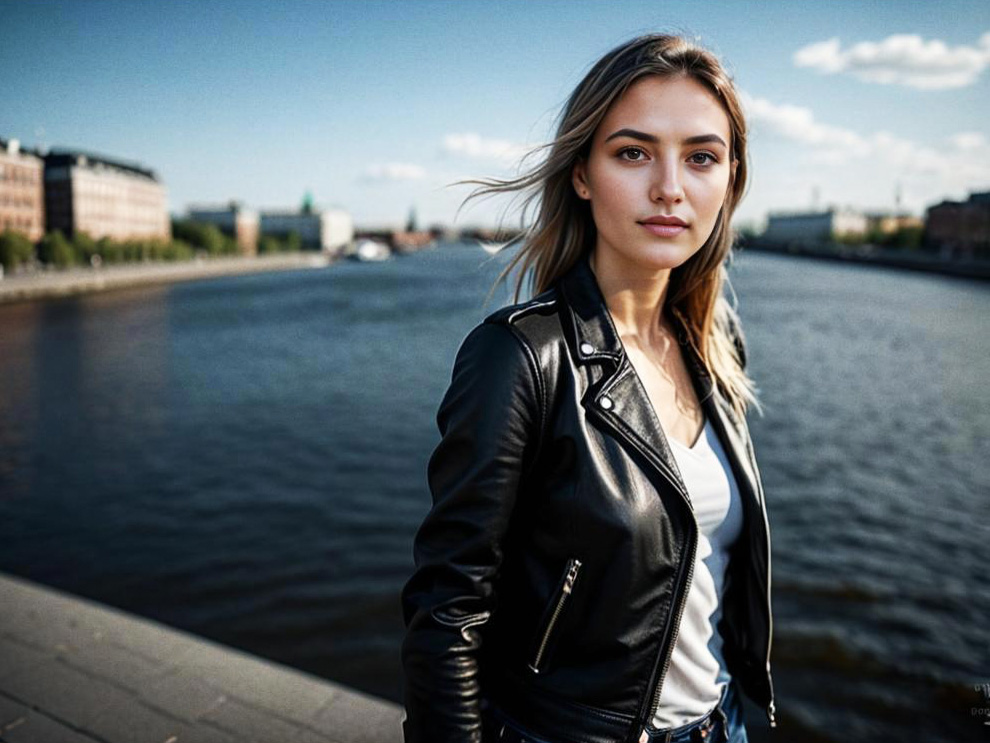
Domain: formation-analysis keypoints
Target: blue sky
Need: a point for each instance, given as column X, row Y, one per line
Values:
column 376, row 106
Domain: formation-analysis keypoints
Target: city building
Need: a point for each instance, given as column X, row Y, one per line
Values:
column 960, row 228
column 815, row 227
column 22, row 190
column 329, row 230
column 888, row 224
column 234, row 221
column 104, row 197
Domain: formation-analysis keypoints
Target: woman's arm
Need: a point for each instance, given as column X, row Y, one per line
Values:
column 489, row 422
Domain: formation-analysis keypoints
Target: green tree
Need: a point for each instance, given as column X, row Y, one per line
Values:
column 15, row 249
column 84, row 247
column 55, row 249
column 109, row 251
column 177, row 250
column 908, row 237
column 208, row 237
column 293, row 243
column 269, row 244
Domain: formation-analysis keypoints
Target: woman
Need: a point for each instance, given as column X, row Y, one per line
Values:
column 596, row 564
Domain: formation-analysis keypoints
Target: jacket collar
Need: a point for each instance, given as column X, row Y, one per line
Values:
column 618, row 398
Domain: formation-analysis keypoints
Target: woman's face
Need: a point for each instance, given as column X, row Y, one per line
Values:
column 662, row 151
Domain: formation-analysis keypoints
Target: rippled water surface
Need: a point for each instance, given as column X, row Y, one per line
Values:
column 245, row 458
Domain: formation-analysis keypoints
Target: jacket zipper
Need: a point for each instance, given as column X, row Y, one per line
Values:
column 771, row 707
column 658, row 680
column 570, row 577
column 674, row 627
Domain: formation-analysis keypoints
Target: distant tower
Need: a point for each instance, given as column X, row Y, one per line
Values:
column 307, row 205
column 898, row 196
column 816, row 195
column 411, row 222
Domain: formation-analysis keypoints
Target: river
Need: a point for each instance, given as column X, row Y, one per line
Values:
column 244, row 458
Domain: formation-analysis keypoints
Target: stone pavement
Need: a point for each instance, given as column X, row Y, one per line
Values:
column 74, row 671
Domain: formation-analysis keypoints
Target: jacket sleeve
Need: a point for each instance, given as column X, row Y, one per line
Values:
column 489, row 421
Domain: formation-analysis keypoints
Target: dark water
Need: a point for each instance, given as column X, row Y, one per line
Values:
column 245, row 457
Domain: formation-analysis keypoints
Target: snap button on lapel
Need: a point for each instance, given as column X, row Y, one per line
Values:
column 587, row 349
column 606, row 403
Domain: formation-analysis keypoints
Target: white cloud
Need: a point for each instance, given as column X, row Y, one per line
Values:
column 393, row 172
column 969, row 141
column 799, row 124
column 900, row 59
column 475, row 146
column 960, row 161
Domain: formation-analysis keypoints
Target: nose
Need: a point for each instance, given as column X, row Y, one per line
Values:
column 666, row 184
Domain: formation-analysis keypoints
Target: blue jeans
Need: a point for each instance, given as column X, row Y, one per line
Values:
column 724, row 724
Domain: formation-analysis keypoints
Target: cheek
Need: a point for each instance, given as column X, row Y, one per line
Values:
column 611, row 194
column 709, row 195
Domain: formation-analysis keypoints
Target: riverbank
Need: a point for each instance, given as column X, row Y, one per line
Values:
column 47, row 284
column 874, row 256
column 76, row 671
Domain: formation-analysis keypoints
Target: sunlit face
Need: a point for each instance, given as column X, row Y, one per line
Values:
column 661, row 151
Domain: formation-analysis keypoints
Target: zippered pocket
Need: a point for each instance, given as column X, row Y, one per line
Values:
column 560, row 599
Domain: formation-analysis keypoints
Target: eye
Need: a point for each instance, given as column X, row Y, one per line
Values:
column 711, row 159
column 632, row 154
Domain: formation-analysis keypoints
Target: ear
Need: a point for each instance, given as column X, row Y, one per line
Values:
column 732, row 176
column 579, row 179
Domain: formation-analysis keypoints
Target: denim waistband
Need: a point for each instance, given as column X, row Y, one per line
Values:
column 712, row 728
column 500, row 727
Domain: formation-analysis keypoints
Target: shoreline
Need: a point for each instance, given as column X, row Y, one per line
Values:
column 56, row 283
column 870, row 256
column 51, row 284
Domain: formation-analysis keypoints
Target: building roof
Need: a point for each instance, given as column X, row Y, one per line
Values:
column 59, row 157
column 13, row 147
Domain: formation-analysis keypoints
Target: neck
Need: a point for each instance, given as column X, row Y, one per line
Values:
column 635, row 297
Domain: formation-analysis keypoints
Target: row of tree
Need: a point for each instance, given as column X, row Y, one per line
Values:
column 189, row 239
column 903, row 237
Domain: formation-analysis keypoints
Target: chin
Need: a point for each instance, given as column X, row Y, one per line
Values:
column 663, row 254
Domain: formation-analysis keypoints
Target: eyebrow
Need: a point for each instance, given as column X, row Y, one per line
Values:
column 644, row 137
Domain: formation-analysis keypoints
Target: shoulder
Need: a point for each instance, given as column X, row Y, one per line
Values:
column 514, row 347
column 535, row 322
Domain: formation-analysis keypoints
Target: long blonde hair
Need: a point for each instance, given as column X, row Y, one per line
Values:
column 563, row 230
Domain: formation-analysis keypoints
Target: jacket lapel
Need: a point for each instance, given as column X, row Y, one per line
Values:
column 618, row 401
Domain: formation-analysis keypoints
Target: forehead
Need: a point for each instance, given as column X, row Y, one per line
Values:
column 667, row 107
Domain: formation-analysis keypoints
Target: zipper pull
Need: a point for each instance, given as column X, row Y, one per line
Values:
column 771, row 709
column 572, row 574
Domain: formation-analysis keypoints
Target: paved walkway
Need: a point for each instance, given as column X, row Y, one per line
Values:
column 81, row 280
column 74, row 671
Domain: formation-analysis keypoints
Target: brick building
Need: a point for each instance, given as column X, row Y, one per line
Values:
column 960, row 228
column 22, row 191
column 104, row 197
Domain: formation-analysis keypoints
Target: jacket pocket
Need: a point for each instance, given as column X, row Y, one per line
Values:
column 555, row 609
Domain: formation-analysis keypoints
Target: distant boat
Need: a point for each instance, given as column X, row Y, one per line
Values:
column 490, row 247
column 371, row 250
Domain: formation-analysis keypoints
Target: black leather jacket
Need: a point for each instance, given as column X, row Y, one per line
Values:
column 553, row 567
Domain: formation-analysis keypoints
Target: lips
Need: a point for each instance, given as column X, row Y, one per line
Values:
column 662, row 226
column 665, row 221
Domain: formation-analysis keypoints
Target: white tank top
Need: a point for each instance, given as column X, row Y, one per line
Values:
column 697, row 673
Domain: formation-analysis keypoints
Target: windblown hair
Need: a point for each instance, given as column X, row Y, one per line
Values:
column 564, row 230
